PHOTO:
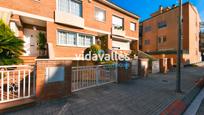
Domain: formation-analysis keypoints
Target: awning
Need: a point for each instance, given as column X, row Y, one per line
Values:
column 5, row 16
column 120, row 38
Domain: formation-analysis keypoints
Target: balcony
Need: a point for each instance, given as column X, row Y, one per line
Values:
column 69, row 19
column 116, row 30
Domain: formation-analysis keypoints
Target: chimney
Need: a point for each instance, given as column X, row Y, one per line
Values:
column 160, row 8
column 174, row 6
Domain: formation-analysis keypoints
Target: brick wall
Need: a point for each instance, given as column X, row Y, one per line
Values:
column 190, row 33
column 42, row 7
column 56, row 89
column 47, row 8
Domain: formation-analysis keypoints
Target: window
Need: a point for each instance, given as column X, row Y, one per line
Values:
column 132, row 26
column 147, row 29
column 81, row 40
column 74, row 39
column 162, row 39
column 70, row 6
column 147, row 42
column 100, row 14
column 117, row 22
column 71, row 39
column 62, row 38
column 162, row 24
column 75, row 8
column 89, row 40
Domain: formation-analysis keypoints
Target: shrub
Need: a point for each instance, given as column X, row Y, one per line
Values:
column 10, row 46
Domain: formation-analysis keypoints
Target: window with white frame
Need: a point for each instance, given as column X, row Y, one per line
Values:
column 71, row 38
column 81, row 40
column 117, row 22
column 70, row 6
column 132, row 26
column 74, row 39
column 89, row 40
column 62, row 38
column 100, row 14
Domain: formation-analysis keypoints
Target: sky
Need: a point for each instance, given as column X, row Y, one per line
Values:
column 144, row 8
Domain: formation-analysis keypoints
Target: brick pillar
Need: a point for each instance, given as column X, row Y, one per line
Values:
column 163, row 65
column 51, row 90
column 109, row 42
column 143, row 67
column 124, row 71
column 134, row 45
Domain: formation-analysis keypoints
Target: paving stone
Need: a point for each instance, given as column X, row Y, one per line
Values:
column 145, row 96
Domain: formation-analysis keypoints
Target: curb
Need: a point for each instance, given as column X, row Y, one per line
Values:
column 179, row 106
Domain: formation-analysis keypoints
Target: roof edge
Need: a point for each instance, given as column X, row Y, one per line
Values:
column 186, row 3
column 107, row 2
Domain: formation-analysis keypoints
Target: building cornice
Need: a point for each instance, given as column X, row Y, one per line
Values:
column 30, row 15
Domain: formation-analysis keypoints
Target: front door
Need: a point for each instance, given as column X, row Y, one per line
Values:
column 30, row 46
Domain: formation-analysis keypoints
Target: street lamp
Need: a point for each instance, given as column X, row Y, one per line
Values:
column 179, row 51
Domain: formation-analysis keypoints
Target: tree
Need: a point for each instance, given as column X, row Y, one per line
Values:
column 10, row 46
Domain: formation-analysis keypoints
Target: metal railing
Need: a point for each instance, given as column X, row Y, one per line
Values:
column 90, row 76
column 16, row 82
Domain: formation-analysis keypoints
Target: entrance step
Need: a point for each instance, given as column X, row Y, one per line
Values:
column 16, row 105
column 28, row 60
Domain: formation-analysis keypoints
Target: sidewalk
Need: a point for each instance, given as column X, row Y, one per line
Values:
column 201, row 109
column 146, row 96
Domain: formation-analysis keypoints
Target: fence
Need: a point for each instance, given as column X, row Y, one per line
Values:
column 89, row 76
column 134, row 67
column 16, row 82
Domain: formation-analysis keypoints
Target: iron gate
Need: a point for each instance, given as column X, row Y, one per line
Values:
column 89, row 76
column 16, row 82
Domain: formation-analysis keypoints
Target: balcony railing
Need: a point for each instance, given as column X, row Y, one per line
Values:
column 118, row 30
column 69, row 19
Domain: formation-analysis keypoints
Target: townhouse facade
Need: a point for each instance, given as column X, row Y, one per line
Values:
column 70, row 26
column 202, row 40
column 159, row 33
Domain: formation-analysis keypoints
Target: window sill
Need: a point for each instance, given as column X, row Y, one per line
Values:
column 100, row 21
column 72, row 46
column 38, row 1
column 121, row 49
